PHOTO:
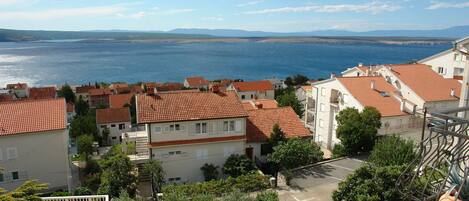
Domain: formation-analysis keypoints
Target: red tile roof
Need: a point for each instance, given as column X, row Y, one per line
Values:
column 426, row 83
column 170, row 86
column 42, row 92
column 99, row 92
column 263, row 103
column 262, row 85
column 197, row 81
column 31, row 116
column 360, row 89
column 136, row 89
column 119, row 100
column 84, row 89
column 198, row 141
column 17, row 86
column 118, row 85
column 307, row 88
column 167, row 107
column 112, row 115
column 260, row 123
column 6, row 97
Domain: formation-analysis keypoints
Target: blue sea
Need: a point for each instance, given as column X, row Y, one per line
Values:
column 45, row 63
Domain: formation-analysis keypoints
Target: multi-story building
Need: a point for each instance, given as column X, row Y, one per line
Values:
column 186, row 130
column 197, row 82
column 99, row 97
column 449, row 63
column 253, row 90
column 83, row 92
column 114, row 120
column 34, row 143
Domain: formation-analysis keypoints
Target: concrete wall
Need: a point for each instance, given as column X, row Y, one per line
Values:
column 115, row 133
column 42, row 156
column 185, row 161
column 250, row 95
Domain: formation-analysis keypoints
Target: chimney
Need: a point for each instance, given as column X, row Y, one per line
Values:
column 259, row 105
column 402, row 106
column 332, row 75
column 215, row 88
column 373, row 87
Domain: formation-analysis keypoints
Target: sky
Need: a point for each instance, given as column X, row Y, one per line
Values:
column 254, row 15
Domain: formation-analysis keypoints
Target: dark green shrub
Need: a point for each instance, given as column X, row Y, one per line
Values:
column 338, row 151
column 82, row 191
column 267, row 196
column 210, row 171
column 237, row 165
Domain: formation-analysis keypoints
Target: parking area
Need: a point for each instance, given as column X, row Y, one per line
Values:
column 319, row 181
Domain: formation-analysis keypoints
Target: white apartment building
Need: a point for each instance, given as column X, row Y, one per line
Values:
column 189, row 129
column 115, row 120
column 34, row 143
column 449, row 63
column 253, row 90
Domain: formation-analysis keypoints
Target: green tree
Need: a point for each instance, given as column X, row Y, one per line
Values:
column 370, row 183
column 393, row 150
column 210, row 171
column 357, row 130
column 277, row 135
column 237, row 165
column 82, row 191
column 85, row 145
column 83, row 125
column 267, row 196
column 81, row 107
column 117, row 175
column 157, row 174
column 289, row 99
column 67, row 92
column 133, row 110
column 29, row 190
column 295, row 153
column 296, row 80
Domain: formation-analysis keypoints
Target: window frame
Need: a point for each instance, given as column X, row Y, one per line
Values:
column 12, row 175
column 121, row 126
column 200, row 127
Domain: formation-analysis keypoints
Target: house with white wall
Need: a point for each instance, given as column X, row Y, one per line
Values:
column 262, row 89
column 34, row 143
column 196, row 82
column 20, row 90
column 360, row 70
column 449, row 63
column 114, row 120
column 189, row 129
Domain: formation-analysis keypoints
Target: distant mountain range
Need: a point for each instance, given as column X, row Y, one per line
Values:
column 452, row 32
column 8, row 35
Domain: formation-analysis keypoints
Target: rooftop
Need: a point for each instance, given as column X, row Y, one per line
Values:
column 99, row 92
column 32, row 116
column 119, row 100
column 260, row 123
column 42, row 92
column 360, row 89
column 426, row 83
column 196, row 81
column 112, row 115
column 17, row 86
column 262, row 85
column 259, row 104
column 167, row 107
column 84, row 89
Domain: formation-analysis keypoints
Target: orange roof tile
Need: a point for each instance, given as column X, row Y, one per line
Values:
column 84, row 89
column 17, row 86
column 197, row 81
column 119, row 100
column 262, row 85
column 6, row 97
column 170, row 86
column 307, row 87
column 32, row 116
column 260, row 123
column 198, row 141
column 263, row 103
column 118, row 85
column 360, row 89
column 112, row 115
column 426, row 83
column 136, row 89
column 99, row 92
column 167, row 107
column 42, row 92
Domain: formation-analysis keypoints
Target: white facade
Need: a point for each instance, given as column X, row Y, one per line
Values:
column 252, row 95
column 448, row 64
column 184, row 147
column 115, row 131
column 39, row 156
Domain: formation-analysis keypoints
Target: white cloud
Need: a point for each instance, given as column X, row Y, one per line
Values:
column 250, row 3
column 214, row 18
column 177, row 11
column 138, row 15
column 17, row 2
column 439, row 5
column 373, row 7
column 62, row 13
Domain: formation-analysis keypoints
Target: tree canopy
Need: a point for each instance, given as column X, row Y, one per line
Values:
column 85, row 145
column 117, row 175
column 296, row 80
column 357, row 130
column 157, row 174
column 67, row 92
column 277, row 135
column 295, row 153
column 237, row 165
column 288, row 98
column 393, row 150
column 81, row 107
column 82, row 125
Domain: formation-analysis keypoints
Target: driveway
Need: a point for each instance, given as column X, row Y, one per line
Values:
column 319, row 181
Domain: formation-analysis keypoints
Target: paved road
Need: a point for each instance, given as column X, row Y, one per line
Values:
column 319, row 181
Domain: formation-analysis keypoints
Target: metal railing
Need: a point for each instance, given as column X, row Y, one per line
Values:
column 78, row 198
column 442, row 168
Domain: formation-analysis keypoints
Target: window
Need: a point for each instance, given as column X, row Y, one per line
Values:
column 174, row 153
column 252, row 96
column 228, row 125
column 113, row 125
column 201, row 128
column 243, row 97
column 441, row 70
column 121, row 126
column 175, row 127
column 458, row 71
column 157, row 129
column 323, row 91
column 103, row 126
column 15, row 175
column 321, row 123
column 114, row 138
column 2, row 178
column 12, row 153
column 266, row 149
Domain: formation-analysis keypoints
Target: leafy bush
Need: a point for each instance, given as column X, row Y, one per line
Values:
column 237, row 165
column 60, row 194
column 210, row 171
column 92, row 167
column 267, row 196
column 295, row 153
column 82, row 191
column 338, row 151
column 393, row 150
column 245, row 183
column 92, row 181
column 85, row 144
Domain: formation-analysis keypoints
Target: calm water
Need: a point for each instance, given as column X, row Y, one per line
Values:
column 42, row 63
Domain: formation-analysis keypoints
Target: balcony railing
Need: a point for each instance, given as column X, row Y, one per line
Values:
column 78, row 198
column 442, row 170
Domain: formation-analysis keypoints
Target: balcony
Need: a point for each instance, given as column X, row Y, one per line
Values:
column 442, row 170
column 140, row 141
column 78, row 198
column 335, row 97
